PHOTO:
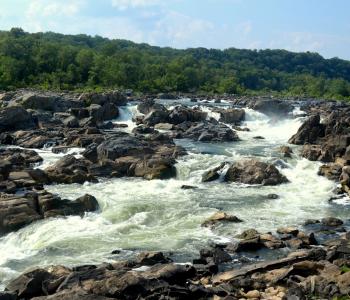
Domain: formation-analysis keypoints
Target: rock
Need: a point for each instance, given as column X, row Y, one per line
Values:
column 258, row 137
column 210, row 132
column 8, row 296
column 30, row 284
column 72, row 295
column 332, row 171
column 253, row 294
column 220, row 217
column 114, row 97
column 160, row 168
column 272, row 196
column 68, row 170
column 213, row 174
column 286, row 151
column 271, row 107
column 156, row 115
column 232, row 115
column 143, row 129
column 164, row 126
column 71, row 122
column 103, row 113
column 188, row 187
column 333, row 222
column 16, row 212
column 288, row 230
column 309, row 132
column 254, row 172
column 248, row 234
column 151, row 258
column 181, row 114
column 15, row 117
column 311, row 152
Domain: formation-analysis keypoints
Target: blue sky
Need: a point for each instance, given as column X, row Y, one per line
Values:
column 298, row 25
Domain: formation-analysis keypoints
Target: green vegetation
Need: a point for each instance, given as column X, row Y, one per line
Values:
column 345, row 269
column 56, row 61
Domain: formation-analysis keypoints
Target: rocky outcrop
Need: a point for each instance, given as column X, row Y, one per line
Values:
column 272, row 107
column 15, row 117
column 213, row 174
column 18, row 211
column 254, row 172
column 232, row 115
column 309, row 132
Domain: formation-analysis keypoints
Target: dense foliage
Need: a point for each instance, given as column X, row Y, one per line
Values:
column 50, row 60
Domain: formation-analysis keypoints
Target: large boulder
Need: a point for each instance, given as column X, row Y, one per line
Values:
column 157, row 115
column 254, row 172
column 15, row 117
column 16, row 212
column 272, row 107
column 232, row 115
column 210, row 132
column 114, row 97
column 70, row 170
column 309, row 132
column 181, row 114
column 107, row 111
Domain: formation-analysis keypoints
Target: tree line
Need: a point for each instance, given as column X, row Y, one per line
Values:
column 81, row 62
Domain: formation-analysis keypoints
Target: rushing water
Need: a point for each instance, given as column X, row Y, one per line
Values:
column 158, row 215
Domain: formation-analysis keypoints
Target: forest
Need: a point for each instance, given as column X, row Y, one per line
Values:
column 81, row 62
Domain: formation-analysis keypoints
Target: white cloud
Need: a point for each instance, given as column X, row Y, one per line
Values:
column 179, row 30
column 54, row 8
column 244, row 28
column 125, row 4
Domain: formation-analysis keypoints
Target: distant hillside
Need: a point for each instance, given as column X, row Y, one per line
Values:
column 50, row 60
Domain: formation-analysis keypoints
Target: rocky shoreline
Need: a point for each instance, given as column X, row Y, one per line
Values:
column 314, row 261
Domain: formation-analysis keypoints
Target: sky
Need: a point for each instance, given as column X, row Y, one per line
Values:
column 298, row 25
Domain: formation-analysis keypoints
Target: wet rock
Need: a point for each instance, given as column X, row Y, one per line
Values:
column 99, row 114
column 8, row 296
column 331, row 221
column 114, row 97
column 288, row 230
column 213, row 174
column 156, row 115
column 157, row 168
column 254, row 172
column 259, row 137
column 188, row 187
column 17, row 211
column 70, row 170
column 272, row 107
column 164, row 126
column 143, row 129
column 309, row 132
column 248, row 234
column 232, row 115
column 181, row 114
column 15, row 117
column 29, row 285
column 332, row 171
column 286, row 151
column 71, row 122
column 151, row 258
column 210, row 132
column 272, row 196
column 220, row 217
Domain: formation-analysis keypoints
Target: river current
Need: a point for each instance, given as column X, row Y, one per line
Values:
column 138, row 215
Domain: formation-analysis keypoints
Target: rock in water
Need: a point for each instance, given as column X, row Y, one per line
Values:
column 254, row 172
column 15, row 117
column 309, row 132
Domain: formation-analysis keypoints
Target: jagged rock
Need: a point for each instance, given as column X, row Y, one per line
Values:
column 331, row 221
column 114, row 97
column 309, row 132
column 70, row 170
column 232, row 115
column 157, row 115
column 332, row 171
column 210, row 132
column 151, row 258
column 71, row 122
column 286, row 151
column 254, row 172
column 16, row 212
column 273, row 107
column 15, row 117
column 213, row 174
column 220, row 217
column 181, row 114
